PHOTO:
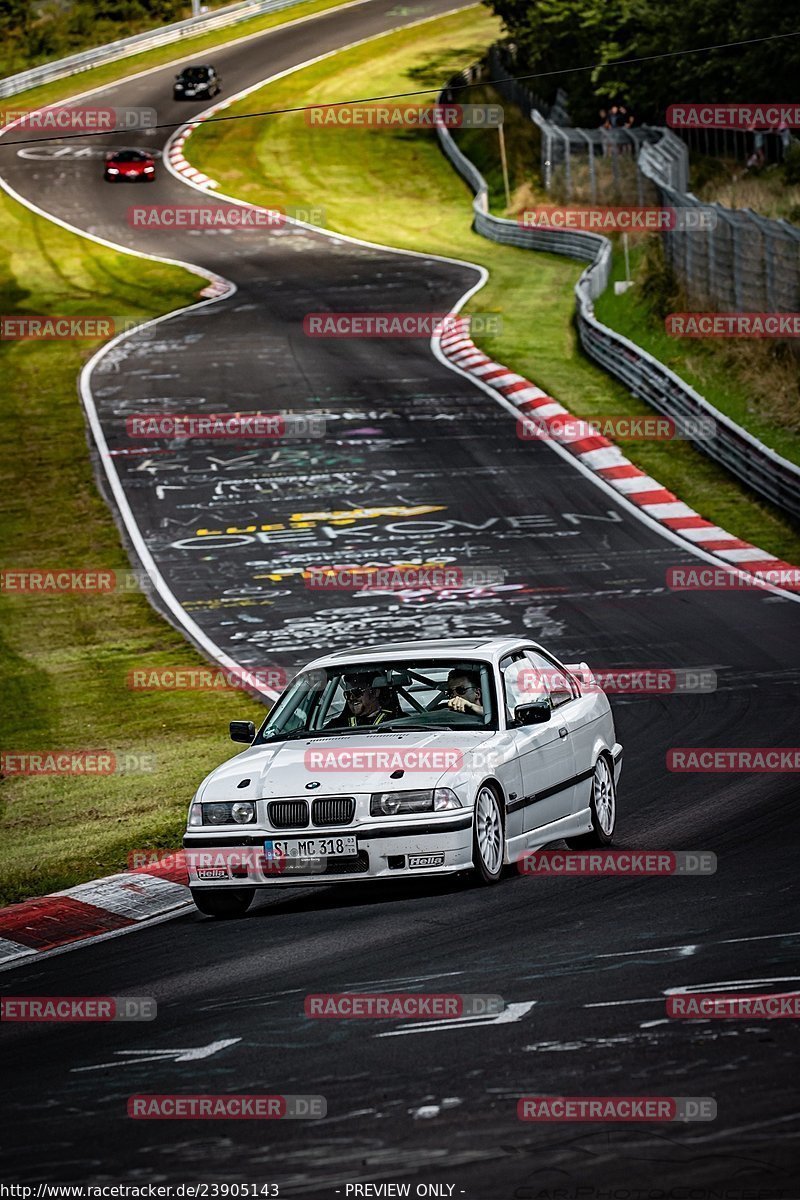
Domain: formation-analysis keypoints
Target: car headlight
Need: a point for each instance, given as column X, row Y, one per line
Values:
column 112, row 170
column 237, row 812
column 149, row 169
column 386, row 804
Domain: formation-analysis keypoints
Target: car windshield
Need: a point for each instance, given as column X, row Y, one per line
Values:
column 129, row 156
column 196, row 74
column 426, row 694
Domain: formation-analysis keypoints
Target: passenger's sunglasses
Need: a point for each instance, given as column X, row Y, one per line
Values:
column 353, row 693
column 462, row 690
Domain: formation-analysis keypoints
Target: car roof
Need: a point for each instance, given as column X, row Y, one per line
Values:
column 447, row 648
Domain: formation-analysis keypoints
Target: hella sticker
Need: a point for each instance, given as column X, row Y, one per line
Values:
column 212, row 873
column 425, row 860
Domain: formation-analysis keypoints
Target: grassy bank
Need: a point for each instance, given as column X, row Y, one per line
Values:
column 395, row 186
column 754, row 382
column 65, row 658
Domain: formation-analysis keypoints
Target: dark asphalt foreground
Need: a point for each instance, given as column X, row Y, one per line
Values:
column 586, row 961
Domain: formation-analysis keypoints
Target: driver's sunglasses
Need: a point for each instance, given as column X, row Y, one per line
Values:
column 462, row 690
column 353, row 693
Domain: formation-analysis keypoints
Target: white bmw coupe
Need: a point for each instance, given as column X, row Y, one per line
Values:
column 407, row 759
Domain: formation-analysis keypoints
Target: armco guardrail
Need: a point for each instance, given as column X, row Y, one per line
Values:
column 745, row 262
column 587, row 247
column 84, row 61
column 760, row 468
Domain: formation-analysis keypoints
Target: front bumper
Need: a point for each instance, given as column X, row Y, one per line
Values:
column 386, row 850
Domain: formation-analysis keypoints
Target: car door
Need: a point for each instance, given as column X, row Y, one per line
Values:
column 545, row 751
column 579, row 712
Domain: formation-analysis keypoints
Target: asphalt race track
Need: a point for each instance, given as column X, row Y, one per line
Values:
column 582, row 964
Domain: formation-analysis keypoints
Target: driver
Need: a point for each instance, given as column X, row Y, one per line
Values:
column 463, row 689
column 364, row 706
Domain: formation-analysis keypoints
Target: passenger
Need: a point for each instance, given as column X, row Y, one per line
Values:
column 463, row 688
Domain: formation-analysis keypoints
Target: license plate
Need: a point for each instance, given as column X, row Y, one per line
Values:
column 316, row 847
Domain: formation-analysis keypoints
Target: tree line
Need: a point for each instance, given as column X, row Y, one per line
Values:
column 580, row 43
column 36, row 31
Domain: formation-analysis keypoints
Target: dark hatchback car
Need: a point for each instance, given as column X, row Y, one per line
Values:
column 196, row 83
column 129, row 164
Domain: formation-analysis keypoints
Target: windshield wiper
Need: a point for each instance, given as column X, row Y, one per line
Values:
column 398, row 725
column 286, row 737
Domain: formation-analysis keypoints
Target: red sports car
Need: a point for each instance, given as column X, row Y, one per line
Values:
column 129, row 164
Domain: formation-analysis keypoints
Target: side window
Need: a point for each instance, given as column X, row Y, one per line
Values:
column 516, row 672
column 553, row 681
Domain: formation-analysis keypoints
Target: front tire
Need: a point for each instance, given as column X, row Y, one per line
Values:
column 223, row 902
column 488, row 837
column 603, row 808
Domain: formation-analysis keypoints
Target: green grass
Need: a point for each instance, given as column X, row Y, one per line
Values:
column 396, row 187
column 65, row 658
column 766, row 191
column 754, row 384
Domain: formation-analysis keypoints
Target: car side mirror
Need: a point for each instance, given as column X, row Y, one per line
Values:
column 243, row 731
column 533, row 714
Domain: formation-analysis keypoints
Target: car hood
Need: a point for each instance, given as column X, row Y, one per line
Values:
column 347, row 765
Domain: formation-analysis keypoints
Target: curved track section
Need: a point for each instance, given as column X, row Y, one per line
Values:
column 418, row 463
